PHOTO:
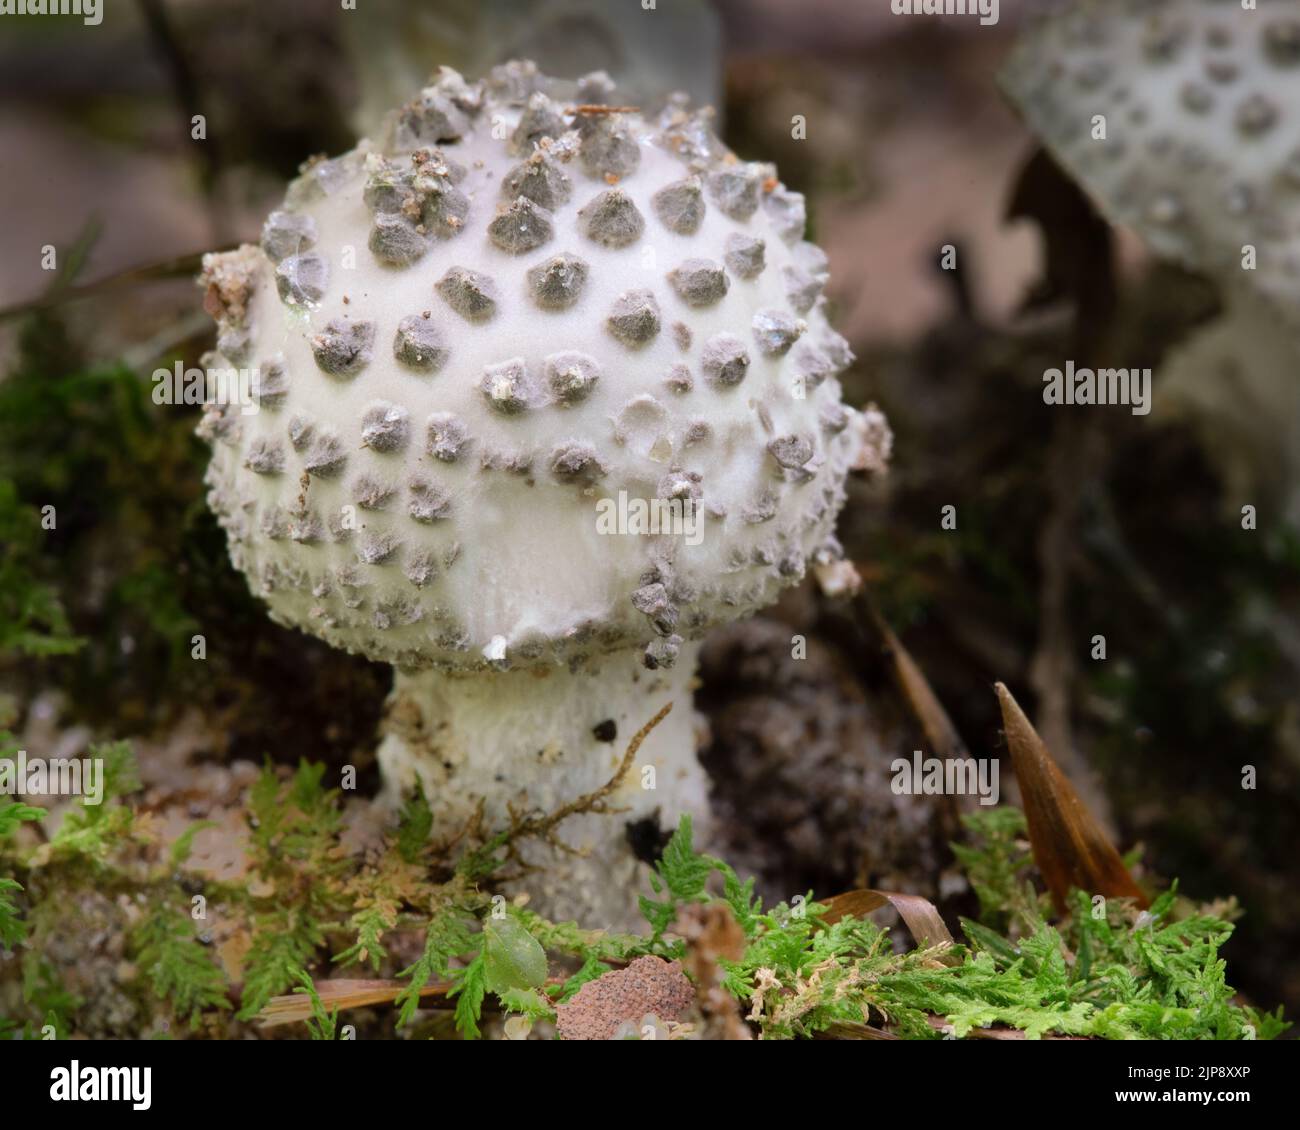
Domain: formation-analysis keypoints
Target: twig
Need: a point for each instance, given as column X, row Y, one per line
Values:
column 166, row 340
column 188, row 99
column 543, row 827
column 168, row 268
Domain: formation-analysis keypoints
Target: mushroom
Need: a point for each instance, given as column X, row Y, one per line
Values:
column 1180, row 119
column 533, row 433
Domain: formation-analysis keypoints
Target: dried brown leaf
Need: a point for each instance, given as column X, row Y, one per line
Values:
column 1070, row 847
column 919, row 914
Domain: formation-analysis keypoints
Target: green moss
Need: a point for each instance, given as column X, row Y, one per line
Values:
column 1108, row 970
column 177, row 965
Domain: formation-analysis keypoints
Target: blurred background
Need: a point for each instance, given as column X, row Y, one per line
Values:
column 1071, row 525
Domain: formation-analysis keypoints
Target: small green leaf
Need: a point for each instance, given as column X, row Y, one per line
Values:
column 512, row 957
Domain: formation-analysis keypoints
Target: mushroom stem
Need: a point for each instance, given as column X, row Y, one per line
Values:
column 531, row 741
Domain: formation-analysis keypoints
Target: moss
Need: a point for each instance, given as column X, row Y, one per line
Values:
column 1119, row 974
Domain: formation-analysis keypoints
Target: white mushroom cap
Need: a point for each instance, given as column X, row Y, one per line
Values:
column 1202, row 106
column 472, row 330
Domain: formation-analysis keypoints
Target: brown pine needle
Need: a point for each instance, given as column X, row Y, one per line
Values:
column 1070, row 847
column 342, row 994
column 924, row 703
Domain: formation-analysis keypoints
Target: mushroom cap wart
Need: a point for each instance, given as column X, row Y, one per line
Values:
column 475, row 334
column 1202, row 106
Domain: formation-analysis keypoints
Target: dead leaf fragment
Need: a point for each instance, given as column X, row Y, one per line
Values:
column 1070, row 848
column 919, row 914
